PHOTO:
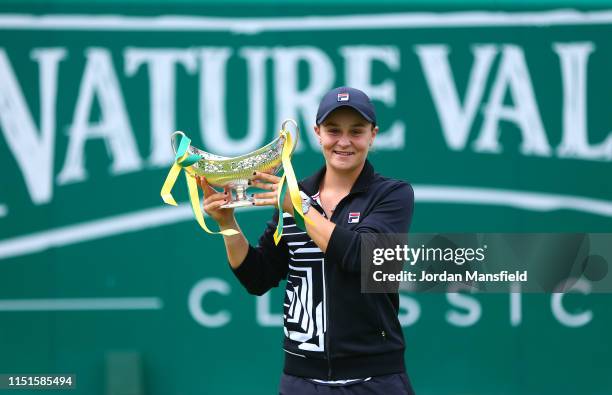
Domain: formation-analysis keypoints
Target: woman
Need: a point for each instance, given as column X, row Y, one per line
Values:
column 337, row 339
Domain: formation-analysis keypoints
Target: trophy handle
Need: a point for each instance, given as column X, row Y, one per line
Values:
column 296, row 137
column 174, row 141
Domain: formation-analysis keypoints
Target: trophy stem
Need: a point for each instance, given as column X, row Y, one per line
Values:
column 241, row 199
column 240, row 192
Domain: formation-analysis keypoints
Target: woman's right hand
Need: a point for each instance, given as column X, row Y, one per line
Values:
column 213, row 200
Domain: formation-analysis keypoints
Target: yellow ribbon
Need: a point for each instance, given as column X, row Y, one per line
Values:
column 166, row 191
column 294, row 191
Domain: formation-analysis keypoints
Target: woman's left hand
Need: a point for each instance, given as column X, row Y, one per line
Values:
column 270, row 183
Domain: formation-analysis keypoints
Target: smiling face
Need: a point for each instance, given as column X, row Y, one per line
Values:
column 345, row 137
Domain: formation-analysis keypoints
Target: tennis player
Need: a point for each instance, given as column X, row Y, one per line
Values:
column 338, row 340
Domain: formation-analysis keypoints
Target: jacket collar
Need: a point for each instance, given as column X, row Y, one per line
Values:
column 311, row 184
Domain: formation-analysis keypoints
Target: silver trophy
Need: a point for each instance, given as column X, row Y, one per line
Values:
column 221, row 171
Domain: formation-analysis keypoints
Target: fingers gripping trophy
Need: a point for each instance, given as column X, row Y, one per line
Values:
column 234, row 175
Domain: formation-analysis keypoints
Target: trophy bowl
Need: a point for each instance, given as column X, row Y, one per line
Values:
column 221, row 171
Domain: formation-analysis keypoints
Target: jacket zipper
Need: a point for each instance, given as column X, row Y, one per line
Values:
column 327, row 339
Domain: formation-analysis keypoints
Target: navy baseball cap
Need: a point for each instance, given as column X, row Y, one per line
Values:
column 345, row 96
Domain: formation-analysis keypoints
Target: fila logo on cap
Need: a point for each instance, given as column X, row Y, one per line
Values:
column 343, row 96
column 353, row 218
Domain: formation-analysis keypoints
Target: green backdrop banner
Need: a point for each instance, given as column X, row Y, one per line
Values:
column 498, row 117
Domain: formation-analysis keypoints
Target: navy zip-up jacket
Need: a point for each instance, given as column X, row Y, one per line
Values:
column 333, row 331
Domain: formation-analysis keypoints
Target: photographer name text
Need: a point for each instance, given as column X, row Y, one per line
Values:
column 445, row 276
